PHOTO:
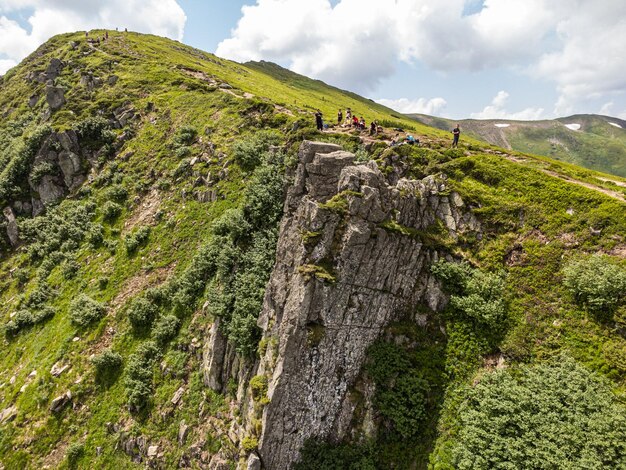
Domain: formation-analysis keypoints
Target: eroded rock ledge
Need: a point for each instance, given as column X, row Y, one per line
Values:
column 353, row 255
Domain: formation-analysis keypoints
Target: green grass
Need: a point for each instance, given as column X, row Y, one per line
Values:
column 524, row 214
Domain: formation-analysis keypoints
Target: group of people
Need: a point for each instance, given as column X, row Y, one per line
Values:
column 359, row 123
column 350, row 121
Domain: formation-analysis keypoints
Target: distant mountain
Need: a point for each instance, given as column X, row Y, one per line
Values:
column 589, row 140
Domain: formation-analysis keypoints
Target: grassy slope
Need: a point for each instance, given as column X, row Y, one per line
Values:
column 523, row 209
column 598, row 145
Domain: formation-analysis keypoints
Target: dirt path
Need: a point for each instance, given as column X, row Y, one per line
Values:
column 593, row 187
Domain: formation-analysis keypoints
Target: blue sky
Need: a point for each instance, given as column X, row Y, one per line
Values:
column 524, row 59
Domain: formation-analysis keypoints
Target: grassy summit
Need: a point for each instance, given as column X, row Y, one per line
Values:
column 111, row 292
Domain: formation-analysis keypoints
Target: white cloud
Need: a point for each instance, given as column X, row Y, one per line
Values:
column 50, row 17
column 576, row 44
column 358, row 42
column 497, row 110
column 6, row 64
column 433, row 107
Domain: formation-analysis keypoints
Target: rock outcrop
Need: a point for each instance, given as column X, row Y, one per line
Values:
column 353, row 255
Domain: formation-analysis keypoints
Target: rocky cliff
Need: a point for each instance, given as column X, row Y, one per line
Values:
column 354, row 254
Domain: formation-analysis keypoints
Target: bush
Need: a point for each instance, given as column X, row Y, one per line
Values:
column 116, row 193
column 401, row 391
column 74, row 453
column 248, row 153
column 139, row 372
column 263, row 206
column 69, row 269
column 249, row 443
column 258, row 385
column 134, row 240
column 95, row 133
column 322, row 456
column 111, row 211
column 165, row 329
column 85, row 311
column 404, row 404
column 24, row 319
column 61, row 229
column 141, row 313
column 556, row 415
column 477, row 295
column 596, row 283
column 186, row 135
column 108, row 365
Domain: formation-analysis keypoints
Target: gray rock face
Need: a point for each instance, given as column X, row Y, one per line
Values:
column 12, row 229
column 55, row 96
column 54, row 68
column 331, row 294
column 62, row 152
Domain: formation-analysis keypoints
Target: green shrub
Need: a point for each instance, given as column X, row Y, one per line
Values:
column 258, row 385
column 111, row 211
column 322, row 456
column 18, row 156
column 136, row 239
column 165, row 329
column 24, row 319
column 40, row 170
column 186, row 135
column 477, row 295
column 62, row 229
column 94, row 133
column 108, row 365
column 116, row 193
column 401, row 391
column 141, row 313
column 555, row 415
column 404, row 404
column 596, row 283
column 182, row 152
column 248, row 153
column 263, row 206
column 249, row 443
column 69, row 269
column 74, row 453
column 85, row 311
column 139, row 373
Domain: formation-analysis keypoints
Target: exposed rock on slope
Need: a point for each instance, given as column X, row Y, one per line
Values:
column 354, row 254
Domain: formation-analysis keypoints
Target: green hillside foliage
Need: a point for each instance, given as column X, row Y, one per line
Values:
column 599, row 144
column 176, row 226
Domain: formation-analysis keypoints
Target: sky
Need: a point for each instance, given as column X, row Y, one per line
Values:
column 483, row 59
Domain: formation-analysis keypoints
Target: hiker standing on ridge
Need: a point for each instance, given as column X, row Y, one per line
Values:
column 456, row 132
column 318, row 120
column 339, row 117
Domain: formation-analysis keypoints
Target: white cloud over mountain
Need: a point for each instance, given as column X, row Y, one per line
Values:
column 497, row 110
column 433, row 106
column 49, row 17
column 576, row 44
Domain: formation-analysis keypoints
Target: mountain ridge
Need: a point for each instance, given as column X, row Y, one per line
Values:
column 186, row 260
column 593, row 141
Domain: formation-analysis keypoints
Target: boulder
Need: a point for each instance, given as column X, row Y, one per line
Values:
column 54, row 68
column 50, row 190
column 8, row 414
column 55, row 96
column 33, row 100
column 183, row 431
column 177, row 396
column 59, row 402
column 71, row 166
column 12, row 228
column 254, row 462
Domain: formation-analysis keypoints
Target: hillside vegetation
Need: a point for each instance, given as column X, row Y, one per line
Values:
column 142, row 183
column 591, row 141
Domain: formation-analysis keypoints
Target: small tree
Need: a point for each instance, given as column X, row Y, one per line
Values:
column 596, row 282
